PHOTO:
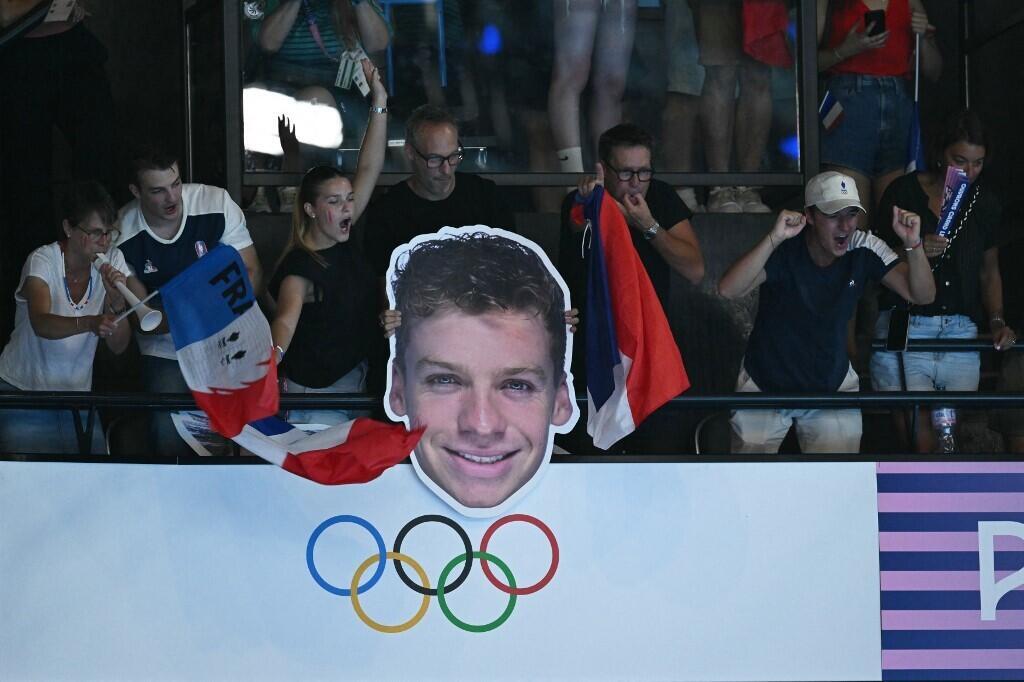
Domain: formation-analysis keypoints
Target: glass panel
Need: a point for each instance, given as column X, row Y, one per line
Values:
column 679, row 68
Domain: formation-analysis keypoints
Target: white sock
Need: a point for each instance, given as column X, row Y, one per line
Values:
column 570, row 160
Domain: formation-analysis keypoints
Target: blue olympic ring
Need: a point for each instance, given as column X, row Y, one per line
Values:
column 381, row 550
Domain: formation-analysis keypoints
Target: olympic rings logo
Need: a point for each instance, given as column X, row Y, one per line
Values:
column 443, row 588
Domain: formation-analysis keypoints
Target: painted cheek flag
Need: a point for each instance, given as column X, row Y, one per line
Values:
column 633, row 363
column 225, row 352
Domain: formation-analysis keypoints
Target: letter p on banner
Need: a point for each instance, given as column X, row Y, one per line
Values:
column 991, row 589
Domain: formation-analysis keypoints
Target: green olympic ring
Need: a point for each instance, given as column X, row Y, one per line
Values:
column 469, row 627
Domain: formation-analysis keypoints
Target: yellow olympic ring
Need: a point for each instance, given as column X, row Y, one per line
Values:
column 390, row 629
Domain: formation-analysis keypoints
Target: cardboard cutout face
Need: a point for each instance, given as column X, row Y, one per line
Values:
column 482, row 360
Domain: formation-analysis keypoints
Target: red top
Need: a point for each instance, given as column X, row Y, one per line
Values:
column 893, row 59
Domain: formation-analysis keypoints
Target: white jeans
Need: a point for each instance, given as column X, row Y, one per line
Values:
column 819, row 431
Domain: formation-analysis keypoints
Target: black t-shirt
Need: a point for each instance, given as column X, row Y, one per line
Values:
column 1011, row 265
column 399, row 215
column 335, row 331
column 666, row 207
column 957, row 284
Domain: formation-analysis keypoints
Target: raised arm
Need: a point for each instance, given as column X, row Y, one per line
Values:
column 913, row 279
column 277, row 25
column 747, row 273
column 374, row 147
column 373, row 30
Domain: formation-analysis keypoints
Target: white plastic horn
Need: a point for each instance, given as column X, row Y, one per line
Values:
column 149, row 319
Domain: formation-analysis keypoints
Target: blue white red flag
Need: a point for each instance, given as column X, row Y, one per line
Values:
column 633, row 363
column 225, row 351
column 222, row 340
column 830, row 112
column 354, row 452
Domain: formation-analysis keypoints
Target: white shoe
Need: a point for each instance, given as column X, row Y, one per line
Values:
column 723, row 200
column 259, row 201
column 287, row 196
column 750, row 201
column 689, row 197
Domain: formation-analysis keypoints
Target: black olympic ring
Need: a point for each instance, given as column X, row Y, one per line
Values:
column 426, row 518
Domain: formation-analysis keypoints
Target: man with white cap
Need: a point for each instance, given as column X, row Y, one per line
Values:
column 811, row 288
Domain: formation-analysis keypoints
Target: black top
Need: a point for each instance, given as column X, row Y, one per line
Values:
column 666, row 207
column 335, row 331
column 957, row 271
column 399, row 215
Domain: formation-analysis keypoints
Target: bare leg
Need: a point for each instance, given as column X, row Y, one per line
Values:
column 679, row 122
column 754, row 112
column 538, row 137
column 717, row 107
column 615, row 33
column 575, row 31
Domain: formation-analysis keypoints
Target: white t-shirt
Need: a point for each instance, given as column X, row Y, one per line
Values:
column 209, row 217
column 32, row 363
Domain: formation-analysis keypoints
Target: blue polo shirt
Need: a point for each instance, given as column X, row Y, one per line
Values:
column 798, row 344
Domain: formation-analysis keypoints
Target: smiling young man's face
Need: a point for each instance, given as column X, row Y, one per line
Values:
column 488, row 391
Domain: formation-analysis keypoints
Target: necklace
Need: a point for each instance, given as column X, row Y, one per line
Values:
column 67, row 290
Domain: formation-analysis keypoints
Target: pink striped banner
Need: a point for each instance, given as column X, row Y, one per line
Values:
column 935, row 580
column 951, row 502
column 952, row 659
column 950, row 468
column 890, row 541
column 951, row 620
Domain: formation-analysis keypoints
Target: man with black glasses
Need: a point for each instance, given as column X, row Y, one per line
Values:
column 435, row 195
column 658, row 218
column 661, row 233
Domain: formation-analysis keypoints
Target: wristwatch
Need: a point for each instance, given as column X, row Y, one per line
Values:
column 379, row 110
column 651, row 231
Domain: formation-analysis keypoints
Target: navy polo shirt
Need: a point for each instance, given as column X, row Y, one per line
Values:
column 798, row 344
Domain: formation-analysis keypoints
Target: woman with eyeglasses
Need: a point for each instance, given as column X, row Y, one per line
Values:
column 65, row 304
column 324, row 289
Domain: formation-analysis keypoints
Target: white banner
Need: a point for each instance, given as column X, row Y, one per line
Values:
column 665, row 571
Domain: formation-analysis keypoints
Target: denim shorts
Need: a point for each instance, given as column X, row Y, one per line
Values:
column 874, row 134
column 928, row 371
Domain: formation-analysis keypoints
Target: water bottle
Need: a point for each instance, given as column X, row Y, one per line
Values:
column 944, row 423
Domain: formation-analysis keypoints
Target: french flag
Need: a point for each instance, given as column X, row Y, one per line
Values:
column 633, row 363
column 225, row 351
column 830, row 112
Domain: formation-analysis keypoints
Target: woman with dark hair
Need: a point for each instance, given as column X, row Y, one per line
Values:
column 325, row 291
column 965, row 265
column 65, row 304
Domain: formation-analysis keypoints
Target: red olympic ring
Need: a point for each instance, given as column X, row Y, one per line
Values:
column 539, row 585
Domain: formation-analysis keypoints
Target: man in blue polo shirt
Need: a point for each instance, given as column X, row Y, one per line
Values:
column 166, row 228
column 809, row 289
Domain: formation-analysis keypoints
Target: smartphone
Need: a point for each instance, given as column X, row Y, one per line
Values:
column 899, row 326
column 876, row 17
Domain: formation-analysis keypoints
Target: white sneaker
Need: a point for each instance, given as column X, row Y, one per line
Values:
column 287, row 195
column 750, row 201
column 723, row 200
column 689, row 197
column 259, row 201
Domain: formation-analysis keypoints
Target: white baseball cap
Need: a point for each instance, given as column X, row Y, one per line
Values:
column 831, row 192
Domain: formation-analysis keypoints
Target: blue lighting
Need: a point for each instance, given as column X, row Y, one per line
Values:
column 490, row 40
column 790, row 146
